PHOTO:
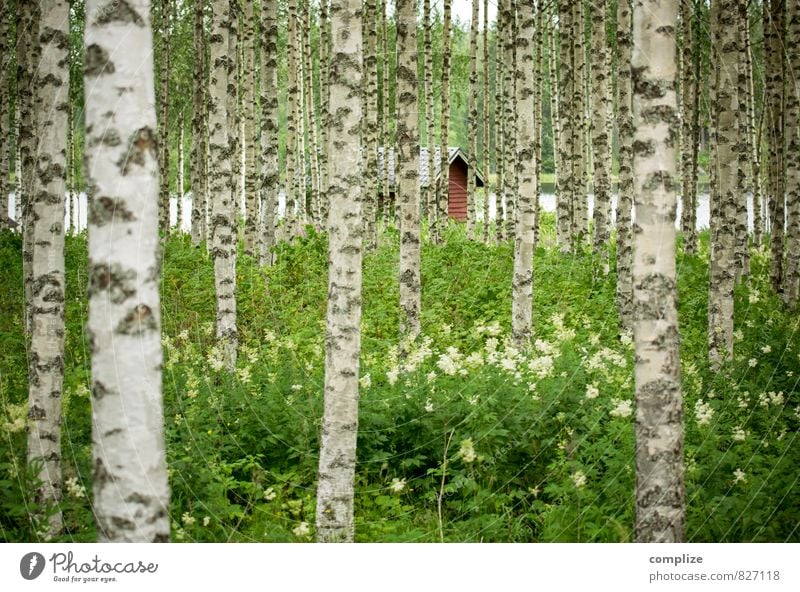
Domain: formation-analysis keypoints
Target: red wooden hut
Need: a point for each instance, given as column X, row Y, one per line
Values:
column 457, row 191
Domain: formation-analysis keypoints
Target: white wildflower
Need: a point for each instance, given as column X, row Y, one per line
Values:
column 447, row 365
column 206, row 521
column 243, row 374
column 542, row 366
column 474, row 359
column 766, row 349
column 365, row 381
column 703, row 412
column 467, row 451
column 397, row 485
column 776, row 398
column 739, row 434
column 302, row 530
column 269, row 494
column 592, row 392
column 753, row 297
column 752, row 362
column 392, row 376
column 75, row 489
column 579, row 479
column 431, row 376
column 622, row 408
column 428, row 405
column 297, row 387
column 187, row 519
column 739, row 475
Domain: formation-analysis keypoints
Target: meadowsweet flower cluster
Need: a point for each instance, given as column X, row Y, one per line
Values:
column 703, row 412
column 467, row 451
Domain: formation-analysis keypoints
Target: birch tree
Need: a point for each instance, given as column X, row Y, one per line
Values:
column 198, row 171
column 163, row 117
column 270, row 177
column 131, row 494
column 566, row 122
column 47, row 207
column 659, row 418
column 334, row 519
column 522, row 284
column 249, row 104
column 792, row 283
column 624, row 293
column 222, row 185
column 292, row 93
column 510, row 75
column 472, row 121
column 406, row 169
column 428, row 193
column 487, row 194
column 5, row 100
column 371, row 180
column 443, row 180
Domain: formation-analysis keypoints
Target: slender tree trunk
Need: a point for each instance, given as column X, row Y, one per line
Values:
column 522, row 284
column 687, row 88
column 626, row 181
column 774, row 83
column 72, row 217
column 385, row 131
column 660, row 489
column 744, row 166
column 5, row 100
column 510, row 118
column 792, row 282
column 131, row 493
column 292, row 91
column 601, row 141
column 302, row 157
column 443, row 180
column 487, row 192
column 566, row 123
column 163, row 117
column 753, row 141
column 270, row 176
column 500, row 129
column 723, row 237
column 555, row 120
column 538, row 124
column 311, row 116
column 428, row 193
column 372, row 183
column 324, row 113
column 249, row 103
column 472, row 121
column 580, row 209
column 199, row 130
column 689, row 194
column 181, row 180
column 337, row 460
column 222, row 185
column 46, row 203
column 28, row 51
column 406, row 169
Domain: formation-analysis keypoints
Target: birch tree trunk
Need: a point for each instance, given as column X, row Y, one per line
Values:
column 181, row 165
column 72, row 199
column 270, row 176
column 387, row 145
column 443, row 180
column 555, row 120
column 601, row 141
column 660, row 489
column 249, row 104
column 371, row 181
column 343, row 334
column 428, row 193
column 163, row 118
column 687, row 89
column 522, row 284
column 511, row 73
column 723, row 238
column 222, row 185
column 753, row 144
column 5, row 101
column 487, row 193
column 774, row 83
column 472, row 120
column 198, row 171
column 407, row 168
column 292, row 92
column 47, row 208
column 580, row 210
column 567, row 123
column 744, row 166
column 792, row 282
column 538, row 124
column 624, row 293
column 131, row 493
column 324, row 113
column 500, row 129
column 311, row 116
column 28, row 52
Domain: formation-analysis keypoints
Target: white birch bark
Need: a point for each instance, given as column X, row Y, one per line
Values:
column 131, row 494
column 334, row 519
column 270, row 178
column 659, row 417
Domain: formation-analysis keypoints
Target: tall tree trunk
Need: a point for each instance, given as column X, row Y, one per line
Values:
column 302, row 156
column 660, row 489
column 744, row 166
column 72, row 202
column 292, row 92
column 181, row 180
column 28, row 51
column 199, row 130
column 792, row 282
column 270, row 177
column 567, row 124
column 555, row 124
column 324, row 113
column 406, row 169
column 249, row 103
column 428, row 193
column 46, row 203
column 337, row 460
column 601, row 142
column 511, row 73
column 163, row 117
column 472, row 120
column 311, row 118
column 487, row 192
column 689, row 213
column 500, row 128
column 522, row 284
column 538, row 124
column 723, row 238
column 372, row 183
column 580, row 208
column 443, row 180
column 222, row 185
column 131, row 493
column 385, row 131
column 687, row 88
column 753, row 140
column 775, row 84
column 624, row 293
column 5, row 100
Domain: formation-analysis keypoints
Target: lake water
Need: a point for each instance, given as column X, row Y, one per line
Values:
column 547, row 202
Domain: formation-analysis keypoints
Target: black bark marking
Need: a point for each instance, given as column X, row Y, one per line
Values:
column 120, row 283
column 118, row 11
column 104, row 210
column 138, row 321
column 142, row 142
column 96, row 62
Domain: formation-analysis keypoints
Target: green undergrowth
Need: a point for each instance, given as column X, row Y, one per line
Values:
column 463, row 438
